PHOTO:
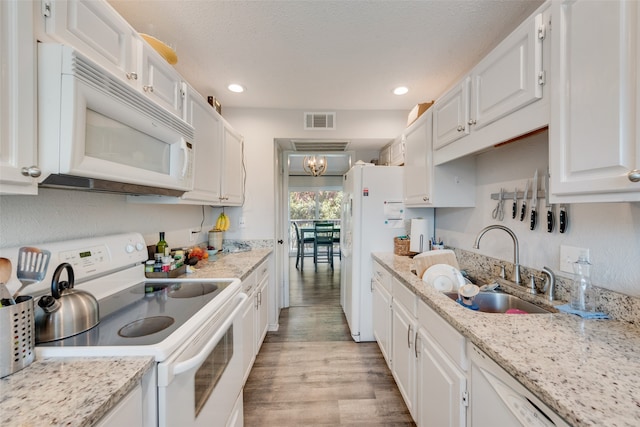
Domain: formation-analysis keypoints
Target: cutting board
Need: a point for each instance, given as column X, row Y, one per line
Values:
column 426, row 259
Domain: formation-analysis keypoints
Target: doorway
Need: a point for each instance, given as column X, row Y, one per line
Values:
column 303, row 200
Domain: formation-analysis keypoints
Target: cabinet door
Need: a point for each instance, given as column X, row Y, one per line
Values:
column 126, row 413
column 594, row 142
column 441, row 387
column 160, row 81
column 381, row 300
column 507, row 79
column 396, row 152
column 418, row 162
column 248, row 335
column 17, row 99
column 451, row 114
column 95, row 29
column 232, row 168
column 208, row 147
column 403, row 354
column 262, row 317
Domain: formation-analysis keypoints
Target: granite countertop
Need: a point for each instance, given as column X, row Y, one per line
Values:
column 73, row 392
column 231, row 265
column 586, row 370
column 79, row 391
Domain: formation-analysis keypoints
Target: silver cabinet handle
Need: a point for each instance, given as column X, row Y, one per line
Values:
column 32, row 171
column 415, row 347
column 634, row 175
column 409, row 337
column 460, row 128
column 132, row 76
column 472, row 122
column 425, row 199
column 147, row 88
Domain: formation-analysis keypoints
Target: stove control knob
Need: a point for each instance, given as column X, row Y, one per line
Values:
column 129, row 248
column 140, row 246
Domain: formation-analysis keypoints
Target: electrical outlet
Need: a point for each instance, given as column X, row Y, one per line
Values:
column 193, row 233
column 241, row 222
column 569, row 255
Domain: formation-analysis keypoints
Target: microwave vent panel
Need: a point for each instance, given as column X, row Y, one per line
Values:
column 315, row 121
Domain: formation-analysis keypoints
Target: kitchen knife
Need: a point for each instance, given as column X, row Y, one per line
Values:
column 514, row 208
column 534, row 202
column 550, row 218
column 523, row 210
column 564, row 219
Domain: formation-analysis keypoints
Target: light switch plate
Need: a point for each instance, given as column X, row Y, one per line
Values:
column 569, row 255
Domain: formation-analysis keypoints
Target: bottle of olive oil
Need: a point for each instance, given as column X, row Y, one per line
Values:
column 162, row 247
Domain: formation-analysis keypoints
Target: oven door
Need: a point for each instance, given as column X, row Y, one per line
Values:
column 200, row 383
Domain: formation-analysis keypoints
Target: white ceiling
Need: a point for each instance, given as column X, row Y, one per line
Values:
column 326, row 55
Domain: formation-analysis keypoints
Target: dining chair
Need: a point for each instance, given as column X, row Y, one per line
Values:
column 323, row 246
column 302, row 240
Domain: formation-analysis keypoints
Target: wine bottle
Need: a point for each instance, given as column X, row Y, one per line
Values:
column 162, row 247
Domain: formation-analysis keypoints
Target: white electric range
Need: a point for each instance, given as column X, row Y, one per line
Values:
column 191, row 327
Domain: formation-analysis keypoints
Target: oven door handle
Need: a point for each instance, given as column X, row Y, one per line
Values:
column 202, row 355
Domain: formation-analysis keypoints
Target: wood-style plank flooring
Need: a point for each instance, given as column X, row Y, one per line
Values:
column 310, row 372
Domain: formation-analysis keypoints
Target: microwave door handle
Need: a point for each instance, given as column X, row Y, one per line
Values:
column 185, row 162
column 202, row 355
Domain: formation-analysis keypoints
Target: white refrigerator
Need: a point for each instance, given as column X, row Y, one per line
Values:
column 372, row 215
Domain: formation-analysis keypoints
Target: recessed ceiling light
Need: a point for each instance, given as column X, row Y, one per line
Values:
column 234, row 87
column 401, row 90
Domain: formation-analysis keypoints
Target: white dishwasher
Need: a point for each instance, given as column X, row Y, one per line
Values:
column 498, row 399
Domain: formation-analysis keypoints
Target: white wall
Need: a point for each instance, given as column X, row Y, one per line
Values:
column 55, row 215
column 611, row 231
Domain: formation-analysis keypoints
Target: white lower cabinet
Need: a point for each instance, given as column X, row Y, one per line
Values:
column 382, row 310
column 129, row 412
column 442, row 397
column 248, row 326
column 403, row 349
column 262, row 304
column 255, row 316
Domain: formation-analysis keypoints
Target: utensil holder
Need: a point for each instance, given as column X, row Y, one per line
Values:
column 17, row 336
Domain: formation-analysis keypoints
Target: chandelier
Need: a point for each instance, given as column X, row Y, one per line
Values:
column 315, row 166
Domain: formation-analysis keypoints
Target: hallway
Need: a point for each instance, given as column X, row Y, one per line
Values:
column 310, row 372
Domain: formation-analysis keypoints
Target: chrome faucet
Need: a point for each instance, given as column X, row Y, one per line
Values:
column 516, row 248
column 549, row 283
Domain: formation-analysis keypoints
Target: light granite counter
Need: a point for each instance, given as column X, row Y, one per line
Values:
column 231, row 265
column 586, row 370
column 68, row 391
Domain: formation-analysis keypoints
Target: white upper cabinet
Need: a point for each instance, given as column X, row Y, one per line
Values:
column 426, row 185
column 451, row 114
column 160, row 81
column 232, row 166
column 500, row 99
column 18, row 168
column 208, row 128
column 594, row 138
column 99, row 32
column 96, row 30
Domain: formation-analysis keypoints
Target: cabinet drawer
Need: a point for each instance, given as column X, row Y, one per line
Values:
column 249, row 284
column 262, row 271
column 451, row 341
column 382, row 276
column 404, row 296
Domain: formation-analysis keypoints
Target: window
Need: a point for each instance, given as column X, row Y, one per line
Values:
column 315, row 205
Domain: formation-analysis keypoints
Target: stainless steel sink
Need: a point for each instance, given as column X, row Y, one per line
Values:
column 498, row 302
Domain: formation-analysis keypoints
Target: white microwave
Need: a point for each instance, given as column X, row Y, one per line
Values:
column 98, row 133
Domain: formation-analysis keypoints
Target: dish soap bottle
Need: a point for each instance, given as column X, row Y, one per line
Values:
column 582, row 292
column 162, row 247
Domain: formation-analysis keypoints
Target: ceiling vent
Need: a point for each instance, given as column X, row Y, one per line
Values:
column 325, row 121
column 319, row 146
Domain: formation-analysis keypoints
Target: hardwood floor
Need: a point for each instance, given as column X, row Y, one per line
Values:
column 310, row 372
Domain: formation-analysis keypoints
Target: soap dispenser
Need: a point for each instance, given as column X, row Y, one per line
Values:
column 582, row 292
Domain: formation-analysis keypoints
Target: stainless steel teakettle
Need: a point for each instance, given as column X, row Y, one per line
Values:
column 67, row 311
